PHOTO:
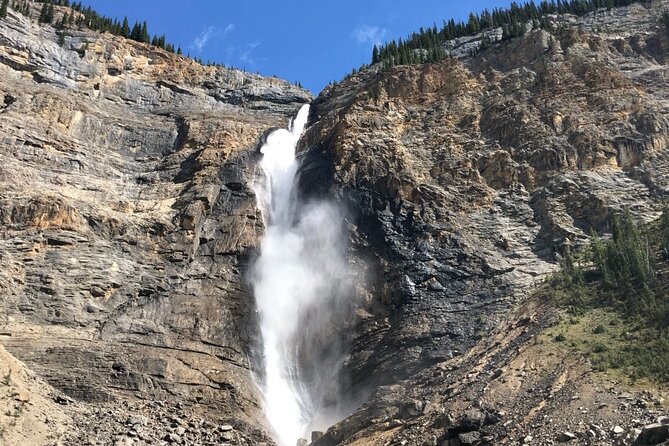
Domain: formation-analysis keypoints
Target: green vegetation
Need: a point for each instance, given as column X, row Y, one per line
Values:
column 622, row 271
column 426, row 45
column 22, row 6
column 624, row 347
column 3, row 8
column 664, row 18
column 421, row 47
column 85, row 17
column 615, row 292
column 46, row 14
column 78, row 16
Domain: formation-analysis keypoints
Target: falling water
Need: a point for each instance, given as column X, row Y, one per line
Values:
column 300, row 281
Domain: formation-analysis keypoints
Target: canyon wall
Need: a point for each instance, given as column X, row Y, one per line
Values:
column 128, row 220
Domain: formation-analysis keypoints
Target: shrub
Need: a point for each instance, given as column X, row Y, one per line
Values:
column 599, row 329
column 664, row 18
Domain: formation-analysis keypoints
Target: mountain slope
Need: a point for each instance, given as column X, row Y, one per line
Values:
column 465, row 178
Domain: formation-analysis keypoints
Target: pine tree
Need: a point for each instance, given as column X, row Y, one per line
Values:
column 47, row 10
column 44, row 13
column 136, row 33
column 664, row 18
column 144, row 34
column 375, row 55
column 125, row 28
column 664, row 233
column 473, row 24
column 3, row 8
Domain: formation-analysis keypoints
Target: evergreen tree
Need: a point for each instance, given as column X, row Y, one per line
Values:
column 664, row 18
column 44, row 13
column 375, row 55
column 136, row 33
column 513, row 21
column 473, row 24
column 144, row 34
column 664, row 233
column 125, row 28
column 3, row 8
column 64, row 21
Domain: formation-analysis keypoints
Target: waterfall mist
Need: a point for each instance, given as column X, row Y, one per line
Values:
column 303, row 291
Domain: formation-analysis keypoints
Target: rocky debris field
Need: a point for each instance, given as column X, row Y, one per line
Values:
column 158, row 423
column 516, row 387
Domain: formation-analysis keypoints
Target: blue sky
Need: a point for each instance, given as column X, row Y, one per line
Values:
column 313, row 42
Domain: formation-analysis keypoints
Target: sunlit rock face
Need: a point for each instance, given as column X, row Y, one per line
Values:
column 128, row 220
column 466, row 177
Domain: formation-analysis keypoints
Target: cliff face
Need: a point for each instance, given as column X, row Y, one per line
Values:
column 464, row 179
column 127, row 219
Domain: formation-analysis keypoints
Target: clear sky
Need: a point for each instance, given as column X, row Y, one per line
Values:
column 310, row 41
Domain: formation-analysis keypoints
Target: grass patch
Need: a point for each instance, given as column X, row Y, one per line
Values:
column 616, row 300
column 633, row 350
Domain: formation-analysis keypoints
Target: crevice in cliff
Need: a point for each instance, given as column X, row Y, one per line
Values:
column 185, row 350
column 182, row 133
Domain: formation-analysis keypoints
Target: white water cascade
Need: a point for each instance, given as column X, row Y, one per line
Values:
column 300, row 282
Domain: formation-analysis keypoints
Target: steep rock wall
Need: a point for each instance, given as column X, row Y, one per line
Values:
column 128, row 218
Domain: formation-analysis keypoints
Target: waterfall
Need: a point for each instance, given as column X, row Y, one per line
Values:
column 301, row 282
